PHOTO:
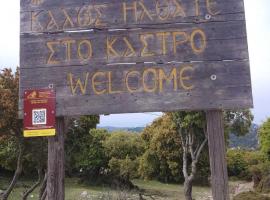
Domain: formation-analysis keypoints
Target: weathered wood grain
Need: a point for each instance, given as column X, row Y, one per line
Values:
column 37, row 15
column 224, row 85
column 208, row 37
column 215, row 41
column 56, row 163
column 217, row 155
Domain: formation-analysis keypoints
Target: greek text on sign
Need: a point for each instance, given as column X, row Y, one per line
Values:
column 137, row 56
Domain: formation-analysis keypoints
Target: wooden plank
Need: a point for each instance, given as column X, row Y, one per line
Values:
column 56, row 166
column 181, row 42
column 56, row 15
column 217, row 155
column 143, row 87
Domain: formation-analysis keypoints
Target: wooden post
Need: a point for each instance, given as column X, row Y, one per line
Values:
column 56, row 169
column 217, row 153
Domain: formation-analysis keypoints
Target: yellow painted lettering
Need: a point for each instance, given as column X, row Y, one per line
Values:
column 111, row 52
column 163, row 36
column 68, row 21
column 130, row 51
column 35, row 21
column 177, row 41
column 84, row 17
column 146, row 79
column 52, row 24
column 184, row 77
column 78, row 84
column 198, row 33
column 132, row 8
column 210, row 4
column 129, row 75
column 179, row 11
column 145, row 51
column 68, row 44
column 96, row 83
column 111, row 91
column 163, row 11
column 197, row 8
column 144, row 12
column 172, row 77
column 51, row 47
column 98, row 9
column 82, row 55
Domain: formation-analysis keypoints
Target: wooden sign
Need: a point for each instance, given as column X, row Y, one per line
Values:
column 118, row 56
column 65, row 15
column 39, row 113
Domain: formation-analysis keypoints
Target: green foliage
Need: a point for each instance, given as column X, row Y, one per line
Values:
column 8, row 152
column 264, row 137
column 126, row 169
column 122, row 144
column 124, row 149
column 76, row 141
column 35, row 155
column 9, row 90
column 250, row 196
column 237, row 122
column 89, row 154
column 162, row 159
column 236, row 163
column 149, row 165
column 259, row 171
column 11, row 129
column 244, row 164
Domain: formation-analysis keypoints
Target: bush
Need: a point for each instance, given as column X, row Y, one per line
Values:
column 264, row 185
column 250, row 196
column 259, row 171
column 242, row 164
column 124, row 168
column 237, row 165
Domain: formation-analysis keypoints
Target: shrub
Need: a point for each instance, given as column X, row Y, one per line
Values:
column 244, row 164
column 250, row 196
column 259, row 171
column 264, row 185
column 237, row 165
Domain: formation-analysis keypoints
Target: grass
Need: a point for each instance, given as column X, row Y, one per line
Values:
column 75, row 191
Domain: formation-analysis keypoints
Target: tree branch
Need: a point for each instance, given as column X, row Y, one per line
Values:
column 200, row 149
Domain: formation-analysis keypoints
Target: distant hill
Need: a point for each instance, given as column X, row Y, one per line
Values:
column 130, row 129
column 249, row 141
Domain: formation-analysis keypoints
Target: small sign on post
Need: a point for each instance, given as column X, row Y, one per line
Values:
column 39, row 113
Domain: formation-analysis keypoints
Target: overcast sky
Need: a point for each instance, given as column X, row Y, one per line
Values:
column 258, row 28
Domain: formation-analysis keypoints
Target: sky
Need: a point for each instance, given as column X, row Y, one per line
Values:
column 258, row 31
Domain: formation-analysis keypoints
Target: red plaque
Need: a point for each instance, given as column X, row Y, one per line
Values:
column 39, row 113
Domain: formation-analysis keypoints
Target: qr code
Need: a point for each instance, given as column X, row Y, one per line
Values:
column 39, row 117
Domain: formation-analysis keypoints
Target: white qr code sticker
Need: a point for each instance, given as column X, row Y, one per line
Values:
column 39, row 116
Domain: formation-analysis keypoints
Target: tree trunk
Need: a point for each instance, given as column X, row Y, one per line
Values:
column 16, row 174
column 188, row 189
column 43, row 186
column 26, row 194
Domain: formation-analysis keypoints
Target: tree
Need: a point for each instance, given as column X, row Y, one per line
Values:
column 121, row 144
column 123, row 150
column 162, row 158
column 264, row 138
column 192, row 128
column 10, row 125
column 76, row 140
column 91, row 157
